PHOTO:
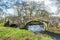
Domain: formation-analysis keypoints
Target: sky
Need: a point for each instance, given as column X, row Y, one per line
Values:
column 50, row 5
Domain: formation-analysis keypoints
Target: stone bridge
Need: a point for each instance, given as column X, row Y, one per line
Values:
column 44, row 21
column 27, row 20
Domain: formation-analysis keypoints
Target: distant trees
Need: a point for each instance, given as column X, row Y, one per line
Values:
column 44, row 14
column 28, row 10
column 1, row 14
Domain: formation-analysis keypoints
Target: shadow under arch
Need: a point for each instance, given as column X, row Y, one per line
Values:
column 35, row 23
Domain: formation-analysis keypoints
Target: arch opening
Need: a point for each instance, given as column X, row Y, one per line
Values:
column 36, row 26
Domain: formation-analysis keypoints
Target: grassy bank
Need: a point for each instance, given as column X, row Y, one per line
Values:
column 7, row 33
column 54, row 29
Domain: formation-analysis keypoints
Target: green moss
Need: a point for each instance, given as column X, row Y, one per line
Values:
column 35, row 22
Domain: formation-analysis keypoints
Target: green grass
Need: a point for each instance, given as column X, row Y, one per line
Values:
column 45, row 38
column 1, row 25
column 7, row 33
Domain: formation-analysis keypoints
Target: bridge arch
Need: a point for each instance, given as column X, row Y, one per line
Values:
column 39, row 22
column 32, row 22
column 36, row 23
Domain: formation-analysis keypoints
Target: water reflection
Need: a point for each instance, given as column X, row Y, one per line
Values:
column 41, row 29
column 36, row 28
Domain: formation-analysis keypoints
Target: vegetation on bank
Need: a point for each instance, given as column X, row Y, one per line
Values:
column 7, row 33
column 54, row 29
column 50, row 28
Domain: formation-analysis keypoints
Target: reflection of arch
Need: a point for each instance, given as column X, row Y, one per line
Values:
column 38, row 22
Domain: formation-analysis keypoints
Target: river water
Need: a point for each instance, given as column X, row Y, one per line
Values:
column 36, row 28
column 41, row 29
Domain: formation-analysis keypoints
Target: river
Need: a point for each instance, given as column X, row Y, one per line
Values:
column 41, row 29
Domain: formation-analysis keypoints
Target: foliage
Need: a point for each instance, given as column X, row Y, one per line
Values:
column 7, row 33
column 44, row 14
column 34, row 22
column 45, row 38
